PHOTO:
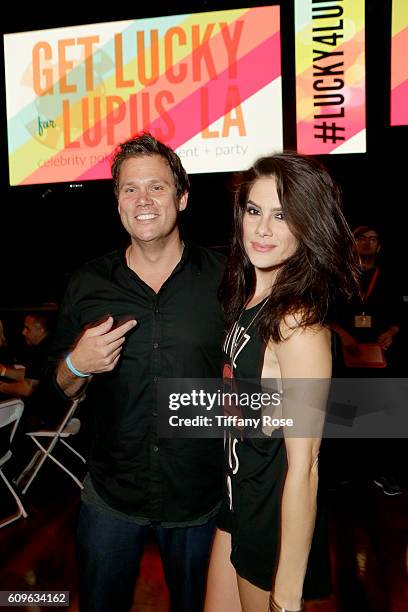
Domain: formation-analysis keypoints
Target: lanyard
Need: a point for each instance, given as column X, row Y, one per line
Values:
column 364, row 297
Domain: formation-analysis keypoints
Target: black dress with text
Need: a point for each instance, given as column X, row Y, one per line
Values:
column 256, row 466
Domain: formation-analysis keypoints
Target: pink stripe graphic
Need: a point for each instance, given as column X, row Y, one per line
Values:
column 253, row 77
column 399, row 104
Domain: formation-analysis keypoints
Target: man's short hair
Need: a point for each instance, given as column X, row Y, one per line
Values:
column 362, row 229
column 40, row 320
column 146, row 144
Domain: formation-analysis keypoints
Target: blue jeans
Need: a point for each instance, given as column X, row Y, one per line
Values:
column 109, row 550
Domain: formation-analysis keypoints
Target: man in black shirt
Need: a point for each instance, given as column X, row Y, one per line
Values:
column 149, row 312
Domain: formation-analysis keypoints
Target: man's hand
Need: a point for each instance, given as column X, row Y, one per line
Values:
column 386, row 338
column 98, row 349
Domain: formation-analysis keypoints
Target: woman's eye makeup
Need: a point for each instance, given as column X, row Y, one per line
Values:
column 252, row 210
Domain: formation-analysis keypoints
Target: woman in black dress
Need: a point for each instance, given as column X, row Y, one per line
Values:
column 291, row 257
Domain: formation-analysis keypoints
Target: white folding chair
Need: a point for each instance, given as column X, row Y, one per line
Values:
column 10, row 414
column 69, row 426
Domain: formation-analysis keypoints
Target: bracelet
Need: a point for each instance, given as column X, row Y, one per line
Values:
column 274, row 607
column 73, row 369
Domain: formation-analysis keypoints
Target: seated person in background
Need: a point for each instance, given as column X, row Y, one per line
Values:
column 374, row 313
column 39, row 407
column 20, row 383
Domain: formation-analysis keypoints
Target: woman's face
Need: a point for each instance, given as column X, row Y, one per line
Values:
column 267, row 238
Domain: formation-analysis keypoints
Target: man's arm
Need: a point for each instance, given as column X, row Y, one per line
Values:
column 393, row 311
column 11, row 372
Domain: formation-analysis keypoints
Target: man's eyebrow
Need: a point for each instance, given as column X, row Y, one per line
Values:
column 150, row 180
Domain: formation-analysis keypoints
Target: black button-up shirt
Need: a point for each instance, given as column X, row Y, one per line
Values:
column 179, row 335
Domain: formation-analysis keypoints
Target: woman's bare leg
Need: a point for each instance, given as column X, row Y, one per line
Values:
column 222, row 588
column 253, row 599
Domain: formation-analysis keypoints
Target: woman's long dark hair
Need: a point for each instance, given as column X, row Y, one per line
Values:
column 323, row 267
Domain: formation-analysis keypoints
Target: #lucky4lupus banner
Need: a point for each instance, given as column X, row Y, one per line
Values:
column 330, row 76
column 399, row 63
column 207, row 84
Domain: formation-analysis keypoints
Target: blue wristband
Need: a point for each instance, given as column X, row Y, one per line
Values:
column 73, row 369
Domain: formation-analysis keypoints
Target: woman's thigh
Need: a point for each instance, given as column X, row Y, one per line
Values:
column 222, row 588
column 253, row 599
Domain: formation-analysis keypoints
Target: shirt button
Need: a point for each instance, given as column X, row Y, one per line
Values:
column 155, row 345
column 156, row 310
column 155, row 379
column 154, row 413
column 155, row 448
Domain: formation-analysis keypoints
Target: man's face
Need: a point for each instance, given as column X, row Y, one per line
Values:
column 32, row 331
column 147, row 200
column 367, row 244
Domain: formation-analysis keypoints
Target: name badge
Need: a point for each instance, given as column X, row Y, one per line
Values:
column 362, row 321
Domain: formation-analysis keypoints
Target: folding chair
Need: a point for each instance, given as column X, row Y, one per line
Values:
column 69, row 426
column 10, row 413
